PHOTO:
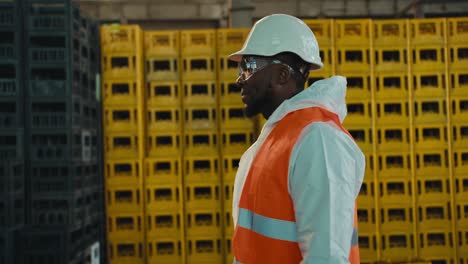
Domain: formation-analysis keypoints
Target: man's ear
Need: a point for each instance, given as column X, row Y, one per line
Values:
column 284, row 75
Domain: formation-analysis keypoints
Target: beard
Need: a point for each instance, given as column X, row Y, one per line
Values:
column 257, row 104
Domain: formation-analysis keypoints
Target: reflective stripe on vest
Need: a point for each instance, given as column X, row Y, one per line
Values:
column 266, row 227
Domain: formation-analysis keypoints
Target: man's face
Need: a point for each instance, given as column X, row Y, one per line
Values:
column 255, row 92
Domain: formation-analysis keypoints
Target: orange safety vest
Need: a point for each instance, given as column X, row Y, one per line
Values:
column 266, row 227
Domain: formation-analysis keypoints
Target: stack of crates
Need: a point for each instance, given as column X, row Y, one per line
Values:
column 392, row 127
column 237, row 132
column 457, row 46
column 202, row 168
column 163, row 165
column 352, row 39
column 12, row 185
column 430, row 139
column 61, row 135
column 124, row 148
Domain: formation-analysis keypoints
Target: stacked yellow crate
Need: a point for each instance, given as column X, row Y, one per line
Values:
column 237, row 132
column 202, row 179
column 163, row 164
column 353, row 50
column 457, row 45
column 393, row 126
column 123, row 125
column 430, row 134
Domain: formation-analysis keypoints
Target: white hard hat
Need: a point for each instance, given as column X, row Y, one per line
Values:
column 281, row 33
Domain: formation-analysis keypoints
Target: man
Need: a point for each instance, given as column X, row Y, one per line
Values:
column 296, row 186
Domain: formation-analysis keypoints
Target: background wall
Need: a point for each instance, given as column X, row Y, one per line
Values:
column 185, row 14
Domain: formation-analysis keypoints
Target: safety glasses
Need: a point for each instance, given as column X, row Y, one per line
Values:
column 251, row 64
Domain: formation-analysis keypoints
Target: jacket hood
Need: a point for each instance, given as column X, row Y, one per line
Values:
column 328, row 93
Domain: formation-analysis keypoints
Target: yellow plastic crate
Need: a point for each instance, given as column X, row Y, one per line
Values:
column 122, row 66
column 352, row 32
column 366, row 194
column 122, row 118
column 462, row 213
column 162, row 69
column 327, row 54
column 392, row 112
column 461, row 188
column 123, row 173
column 237, row 141
column 228, row 244
column 202, row 196
column 124, row 92
column 228, row 195
column 398, row 247
column 392, row 59
column 352, row 59
column 395, row 191
column 366, row 219
column 396, row 217
column 163, row 225
column 121, row 226
column 230, row 166
column 428, row 59
column 232, row 117
column 200, row 93
column 460, row 109
column 391, row 86
column 362, row 136
column 198, row 42
column 163, row 170
column 230, row 93
column 122, row 145
column 368, row 247
column 164, row 144
column 165, row 250
column 200, row 117
column 393, row 138
column 430, row 110
column 228, row 223
column 227, row 69
column 431, row 162
column 121, row 38
column 201, row 143
column 457, row 30
column 463, row 243
column 359, row 113
column 231, row 40
column 202, row 169
column 124, row 199
column 162, row 43
column 322, row 29
column 430, row 136
column 163, row 119
column 358, row 86
column 435, row 243
column 125, row 251
column 460, row 158
column 163, row 198
column 390, row 32
column 163, row 94
column 459, row 83
column 427, row 31
column 202, row 222
column 198, row 68
column 433, row 189
column 458, row 57
column 460, row 135
column 395, row 163
column 206, row 248
column 429, row 84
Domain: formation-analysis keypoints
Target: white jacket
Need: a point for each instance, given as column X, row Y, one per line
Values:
column 326, row 170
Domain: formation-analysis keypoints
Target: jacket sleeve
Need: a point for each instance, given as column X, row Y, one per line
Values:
column 323, row 176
